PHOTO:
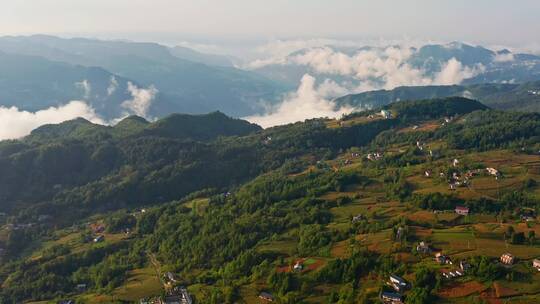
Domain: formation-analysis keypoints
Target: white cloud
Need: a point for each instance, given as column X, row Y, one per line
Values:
column 113, row 85
column 365, row 70
column 15, row 123
column 141, row 100
column 503, row 57
column 86, row 87
column 453, row 72
column 308, row 101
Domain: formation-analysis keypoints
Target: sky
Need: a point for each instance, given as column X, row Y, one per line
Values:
column 481, row 21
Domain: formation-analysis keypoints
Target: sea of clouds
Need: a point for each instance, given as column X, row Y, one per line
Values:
column 364, row 70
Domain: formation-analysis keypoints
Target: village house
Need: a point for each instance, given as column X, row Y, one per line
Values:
column 536, row 264
column 455, row 162
column 169, row 277
column 464, row 265
column 358, row 218
column 428, row 173
column 493, row 171
column 507, row 259
column 442, row 259
column 399, row 284
column 461, row 210
column 391, row 298
column 298, row 266
column 386, row 114
column 423, row 247
column 374, row 156
column 266, row 296
column 99, row 239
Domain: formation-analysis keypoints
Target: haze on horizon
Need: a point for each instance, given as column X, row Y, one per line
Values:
column 488, row 22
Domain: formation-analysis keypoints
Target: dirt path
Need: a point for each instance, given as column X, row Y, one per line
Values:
column 157, row 266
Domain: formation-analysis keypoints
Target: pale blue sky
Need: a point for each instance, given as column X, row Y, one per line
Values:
column 482, row 21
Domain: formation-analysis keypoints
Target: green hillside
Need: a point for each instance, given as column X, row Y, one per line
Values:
column 229, row 208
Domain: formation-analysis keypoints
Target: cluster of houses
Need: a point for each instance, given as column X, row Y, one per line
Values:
column 374, row 156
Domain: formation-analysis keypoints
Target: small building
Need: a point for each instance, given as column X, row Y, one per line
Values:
column 386, row 114
column 461, row 210
column 507, row 259
column 536, row 264
column 455, row 162
column 358, row 218
column 423, row 247
column 298, row 266
column 391, row 298
column 266, row 296
column 399, row 284
column 493, row 171
column 99, row 239
column 464, row 265
column 170, row 277
column 442, row 259
column 428, row 173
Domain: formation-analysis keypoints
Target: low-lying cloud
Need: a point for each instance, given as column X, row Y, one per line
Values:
column 141, row 100
column 85, row 87
column 15, row 123
column 308, row 101
column 113, row 86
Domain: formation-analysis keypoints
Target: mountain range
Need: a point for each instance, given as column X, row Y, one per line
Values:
column 187, row 86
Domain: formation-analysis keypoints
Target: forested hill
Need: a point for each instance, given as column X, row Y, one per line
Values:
column 180, row 126
column 229, row 208
column 82, row 168
column 512, row 97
